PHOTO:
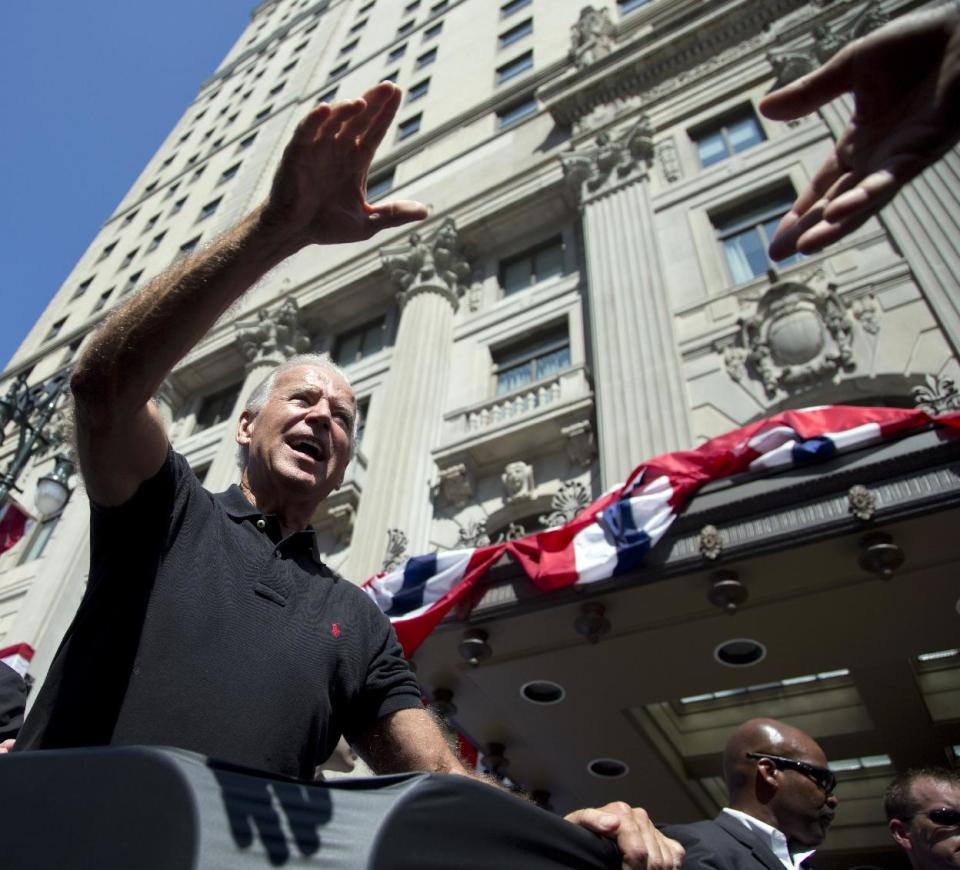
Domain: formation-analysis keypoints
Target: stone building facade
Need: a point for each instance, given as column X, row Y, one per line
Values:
column 591, row 287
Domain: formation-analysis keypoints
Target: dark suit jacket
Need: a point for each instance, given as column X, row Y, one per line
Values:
column 724, row 843
column 13, row 697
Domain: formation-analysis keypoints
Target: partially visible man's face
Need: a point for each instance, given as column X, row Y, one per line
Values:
column 928, row 844
column 804, row 810
column 300, row 440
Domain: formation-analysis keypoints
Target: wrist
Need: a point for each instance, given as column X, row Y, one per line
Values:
column 274, row 238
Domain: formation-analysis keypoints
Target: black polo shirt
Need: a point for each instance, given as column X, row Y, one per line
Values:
column 201, row 628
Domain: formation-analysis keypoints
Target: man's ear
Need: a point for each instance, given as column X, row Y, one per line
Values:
column 901, row 833
column 245, row 428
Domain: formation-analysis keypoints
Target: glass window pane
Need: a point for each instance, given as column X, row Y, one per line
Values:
column 511, row 379
column 552, row 363
column 549, row 262
column 349, row 350
column 712, row 149
column 744, row 134
column 746, row 255
column 516, row 276
column 373, row 339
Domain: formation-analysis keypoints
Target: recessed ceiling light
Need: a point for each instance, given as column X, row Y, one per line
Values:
column 741, row 652
column 607, row 768
column 543, row 692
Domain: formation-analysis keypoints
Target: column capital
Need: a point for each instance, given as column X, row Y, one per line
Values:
column 272, row 336
column 613, row 160
column 437, row 264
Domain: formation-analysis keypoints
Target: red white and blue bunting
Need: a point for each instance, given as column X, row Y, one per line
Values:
column 614, row 533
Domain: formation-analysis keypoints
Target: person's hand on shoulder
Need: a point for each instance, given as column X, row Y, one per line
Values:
column 639, row 842
column 905, row 80
column 319, row 190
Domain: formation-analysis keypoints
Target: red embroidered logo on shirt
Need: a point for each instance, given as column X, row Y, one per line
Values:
column 335, row 629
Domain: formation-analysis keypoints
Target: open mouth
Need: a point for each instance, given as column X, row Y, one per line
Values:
column 309, row 448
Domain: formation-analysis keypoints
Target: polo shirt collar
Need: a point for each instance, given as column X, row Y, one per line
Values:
column 236, row 504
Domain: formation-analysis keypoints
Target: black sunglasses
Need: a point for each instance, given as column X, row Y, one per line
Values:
column 944, row 817
column 823, row 777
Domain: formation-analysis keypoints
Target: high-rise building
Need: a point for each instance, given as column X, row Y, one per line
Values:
column 591, row 289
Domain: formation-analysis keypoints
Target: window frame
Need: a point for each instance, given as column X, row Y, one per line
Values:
column 541, row 344
column 513, row 68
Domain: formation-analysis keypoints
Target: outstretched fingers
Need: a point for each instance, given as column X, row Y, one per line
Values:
column 812, row 90
column 395, row 214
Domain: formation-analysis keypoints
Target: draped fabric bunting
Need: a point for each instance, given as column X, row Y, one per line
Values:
column 614, row 533
column 14, row 518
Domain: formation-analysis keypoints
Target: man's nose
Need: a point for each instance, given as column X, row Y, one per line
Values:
column 319, row 412
column 832, row 800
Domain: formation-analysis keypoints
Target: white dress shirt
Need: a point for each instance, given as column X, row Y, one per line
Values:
column 773, row 838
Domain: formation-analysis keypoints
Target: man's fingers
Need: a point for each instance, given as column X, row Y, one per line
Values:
column 307, row 129
column 395, row 214
column 810, row 91
column 7, row 745
column 595, row 820
column 380, row 123
column 340, row 113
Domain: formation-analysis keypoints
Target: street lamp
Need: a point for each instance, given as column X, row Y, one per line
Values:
column 32, row 409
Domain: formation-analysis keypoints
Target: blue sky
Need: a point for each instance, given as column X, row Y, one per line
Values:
column 89, row 91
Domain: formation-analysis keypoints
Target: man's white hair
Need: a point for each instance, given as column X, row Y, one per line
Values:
column 259, row 395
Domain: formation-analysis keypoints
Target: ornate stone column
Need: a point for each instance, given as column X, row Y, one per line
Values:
column 265, row 341
column 429, row 276
column 642, row 407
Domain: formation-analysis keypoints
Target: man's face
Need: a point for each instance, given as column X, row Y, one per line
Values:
column 928, row 844
column 299, row 443
column 804, row 810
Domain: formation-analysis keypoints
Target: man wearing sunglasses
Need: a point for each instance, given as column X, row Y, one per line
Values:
column 781, row 803
column 923, row 809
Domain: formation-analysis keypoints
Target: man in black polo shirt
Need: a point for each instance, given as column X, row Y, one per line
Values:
column 209, row 622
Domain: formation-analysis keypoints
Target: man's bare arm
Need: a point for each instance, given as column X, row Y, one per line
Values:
column 318, row 197
column 411, row 740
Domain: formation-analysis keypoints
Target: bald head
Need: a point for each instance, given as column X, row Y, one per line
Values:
column 761, row 735
column 789, row 799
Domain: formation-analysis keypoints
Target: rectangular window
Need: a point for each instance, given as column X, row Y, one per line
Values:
column 187, row 247
column 745, row 234
column 209, row 209
column 361, row 342
column 150, row 224
column 437, row 8
column 246, row 143
column 418, row 90
column 229, row 173
column 55, row 329
column 173, row 157
column 391, row 77
column 106, row 251
column 132, row 282
column 432, row 31
column 288, row 67
column 171, row 190
column 82, row 288
column 196, row 175
column 379, row 186
column 513, row 6
column 350, row 46
column 397, row 53
column 425, row 59
column 532, row 266
column 405, row 28
column 517, row 111
column 515, row 67
column 366, row 7
column 102, row 301
column 300, row 47
column 263, row 113
column 128, row 219
column 178, row 205
column 277, row 88
column 409, row 127
column 625, row 6
column 127, row 260
column 155, row 242
column 339, row 70
column 733, row 134
column 535, row 359
column 151, row 187
column 359, row 25
column 410, row 7
column 217, row 407
column 515, row 34
column 327, row 96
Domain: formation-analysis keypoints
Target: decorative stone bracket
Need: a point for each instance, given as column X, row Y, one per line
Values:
column 456, row 485
column 435, row 265
column 581, row 447
column 612, row 160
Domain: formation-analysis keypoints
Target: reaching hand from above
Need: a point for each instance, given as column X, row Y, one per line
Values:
column 319, row 192
column 642, row 846
column 905, row 79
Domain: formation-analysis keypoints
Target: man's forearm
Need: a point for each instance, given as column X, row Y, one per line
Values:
column 138, row 345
